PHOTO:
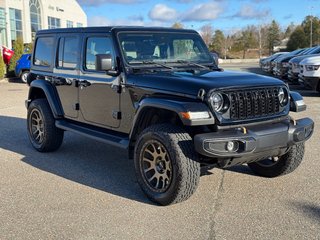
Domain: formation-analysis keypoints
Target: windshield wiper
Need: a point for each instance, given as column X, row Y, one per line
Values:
column 153, row 63
column 199, row 65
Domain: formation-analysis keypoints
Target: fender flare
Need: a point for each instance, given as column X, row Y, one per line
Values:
column 296, row 102
column 50, row 94
column 178, row 107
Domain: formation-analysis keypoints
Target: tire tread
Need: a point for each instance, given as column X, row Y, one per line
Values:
column 287, row 163
column 189, row 168
column 53, row 135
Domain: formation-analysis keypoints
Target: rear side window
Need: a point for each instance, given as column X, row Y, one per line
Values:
column 68, row 52
column 43, row 51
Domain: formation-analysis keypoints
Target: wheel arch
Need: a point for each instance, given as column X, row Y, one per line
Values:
column 152, row 111
column 24, row 70
column 43, row 89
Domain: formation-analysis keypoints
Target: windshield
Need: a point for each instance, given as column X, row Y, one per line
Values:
column 166, row 47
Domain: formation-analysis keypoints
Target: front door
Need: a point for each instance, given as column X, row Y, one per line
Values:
column 99, row 99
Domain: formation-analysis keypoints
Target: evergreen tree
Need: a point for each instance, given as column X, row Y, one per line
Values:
column 28, row 47
column 246, row 40
column 289, row 30
column 18, row 51
column 297, row 39
column 273, row 36
column 218, row 42
column 306, row 25
column 2, row 67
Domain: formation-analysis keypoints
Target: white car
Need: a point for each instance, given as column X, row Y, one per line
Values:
column 310, row 72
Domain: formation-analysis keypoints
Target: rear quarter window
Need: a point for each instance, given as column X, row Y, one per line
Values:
column 68, row 52
column 43, row 51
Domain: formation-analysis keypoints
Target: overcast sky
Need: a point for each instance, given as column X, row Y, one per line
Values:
column 227, row 15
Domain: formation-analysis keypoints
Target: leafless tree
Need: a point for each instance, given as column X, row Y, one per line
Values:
column 206, row 32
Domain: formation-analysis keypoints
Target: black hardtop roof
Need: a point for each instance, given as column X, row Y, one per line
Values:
column 109, row 29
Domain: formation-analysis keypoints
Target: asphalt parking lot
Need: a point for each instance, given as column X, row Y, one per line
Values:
column 87, row 190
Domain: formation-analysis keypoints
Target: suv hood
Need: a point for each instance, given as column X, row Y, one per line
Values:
column 190, row 84
column 285, row 58
column 300, row 58
column 315, row 60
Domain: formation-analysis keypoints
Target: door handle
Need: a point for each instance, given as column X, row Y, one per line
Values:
column 84, row 83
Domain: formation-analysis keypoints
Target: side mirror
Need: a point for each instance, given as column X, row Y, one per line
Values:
column 103, row 62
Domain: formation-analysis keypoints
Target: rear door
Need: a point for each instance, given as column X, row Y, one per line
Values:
column 98, row 96
column 66, row 73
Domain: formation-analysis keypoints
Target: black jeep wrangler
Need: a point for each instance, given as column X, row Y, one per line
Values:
column 157, row 93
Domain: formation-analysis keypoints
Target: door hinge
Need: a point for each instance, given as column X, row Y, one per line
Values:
column 116, row 115
column 116, row 88
column 77, row 107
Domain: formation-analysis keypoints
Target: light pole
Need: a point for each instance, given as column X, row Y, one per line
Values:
column 311, row 17
column 311, row 32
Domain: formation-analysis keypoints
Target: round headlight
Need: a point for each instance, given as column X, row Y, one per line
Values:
column 283, row 96
column 216, row 101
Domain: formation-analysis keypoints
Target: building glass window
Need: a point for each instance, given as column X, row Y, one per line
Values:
column 35, row 16
column 2, row 18
column 15, row 23
column 3, row 37
column 69, row 24
column 53, row 23
column 79, row 25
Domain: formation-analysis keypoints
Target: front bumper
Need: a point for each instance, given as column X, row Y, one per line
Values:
column 255, row 142
column 266, row 68
column 17, row 72
column 281, row 72
column 311, row 82
column 293, row 76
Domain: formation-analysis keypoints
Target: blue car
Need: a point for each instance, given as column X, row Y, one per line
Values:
column 23, row 67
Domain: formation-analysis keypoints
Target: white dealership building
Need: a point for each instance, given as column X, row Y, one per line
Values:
column 22, row 18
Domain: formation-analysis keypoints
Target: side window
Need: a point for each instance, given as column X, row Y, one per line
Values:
column 94, row 46
column 68, row 52
column 43, row 51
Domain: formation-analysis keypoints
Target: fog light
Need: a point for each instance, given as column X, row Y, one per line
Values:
column 307, row 132
column 232, row 146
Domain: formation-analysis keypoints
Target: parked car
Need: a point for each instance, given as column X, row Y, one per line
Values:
column 265, row 63
column 281, row 64
column 158, row 94
column 294, row 68
column 273, row 61
column 7, row 54
column 310, row 72
column 22, row 68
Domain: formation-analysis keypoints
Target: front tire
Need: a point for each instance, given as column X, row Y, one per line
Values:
column 282, row 165
column 24, row 76
column 43, row 134
column 165, row 164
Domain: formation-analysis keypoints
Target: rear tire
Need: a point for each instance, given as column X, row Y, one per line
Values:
column 43, row 134
column 285, row 164
column 165, row 164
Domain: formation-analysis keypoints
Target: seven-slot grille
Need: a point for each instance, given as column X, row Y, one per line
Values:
column 248, row 104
